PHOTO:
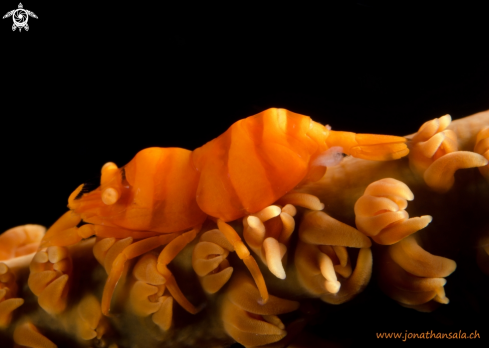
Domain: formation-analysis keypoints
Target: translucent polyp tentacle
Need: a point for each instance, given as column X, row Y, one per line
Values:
column 268, row 232
column 300, row 199
column 482, row 148
column 356, row 282
column 412, row 276
column 20, row 240
column 432, row 127
column 405, row 287
column 8, row 292
column 115, row 254
column 163, row 316
column 321, row 229
column 140, row 295
column 440, row 175
column 89, row 321
column 274, row 252
column 434, row 154
column 146, row 295
column 431, row 142
column 209, row 260
column 308, row 271
column 247, row 320
column 244, row 254
column 380, row 214
column 369, row 146
column 288, row 223
column 321, row 257
column 417, row 261
column 317, row 273
column 207, row 257
column 27, row 335
column 264, row 240
column 50, row 271
column 247, row 330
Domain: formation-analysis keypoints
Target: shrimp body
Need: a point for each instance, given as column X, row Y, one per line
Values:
column 251, row 165
column 155, row 192
column 261, row 158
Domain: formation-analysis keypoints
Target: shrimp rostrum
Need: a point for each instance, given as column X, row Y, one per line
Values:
column 163, row 196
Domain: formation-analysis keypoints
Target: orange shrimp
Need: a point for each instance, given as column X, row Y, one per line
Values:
column 261, row 158
column 152, row 199
column 163, row 195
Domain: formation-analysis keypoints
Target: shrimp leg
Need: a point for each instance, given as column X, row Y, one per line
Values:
column 244, row 254
column 166, row 256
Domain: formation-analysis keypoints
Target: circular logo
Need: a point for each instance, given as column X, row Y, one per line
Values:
column 20, row 17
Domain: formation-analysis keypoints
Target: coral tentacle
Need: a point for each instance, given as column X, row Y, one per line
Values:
column 440, row 175
column 380, row 213
column 414, row 259
column 28, row 335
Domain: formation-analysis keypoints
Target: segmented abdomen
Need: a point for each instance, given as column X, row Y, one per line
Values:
column 164, row 200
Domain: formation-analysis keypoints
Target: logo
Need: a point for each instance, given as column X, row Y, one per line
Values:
column 20, row 17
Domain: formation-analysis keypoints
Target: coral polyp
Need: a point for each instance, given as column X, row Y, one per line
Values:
column 234, row 241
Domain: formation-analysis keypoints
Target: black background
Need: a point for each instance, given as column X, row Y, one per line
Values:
column 97, row 82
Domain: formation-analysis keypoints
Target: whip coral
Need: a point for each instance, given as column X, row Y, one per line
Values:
column 236, row 240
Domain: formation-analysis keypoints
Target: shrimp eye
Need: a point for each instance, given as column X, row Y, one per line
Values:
column 110, row 196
